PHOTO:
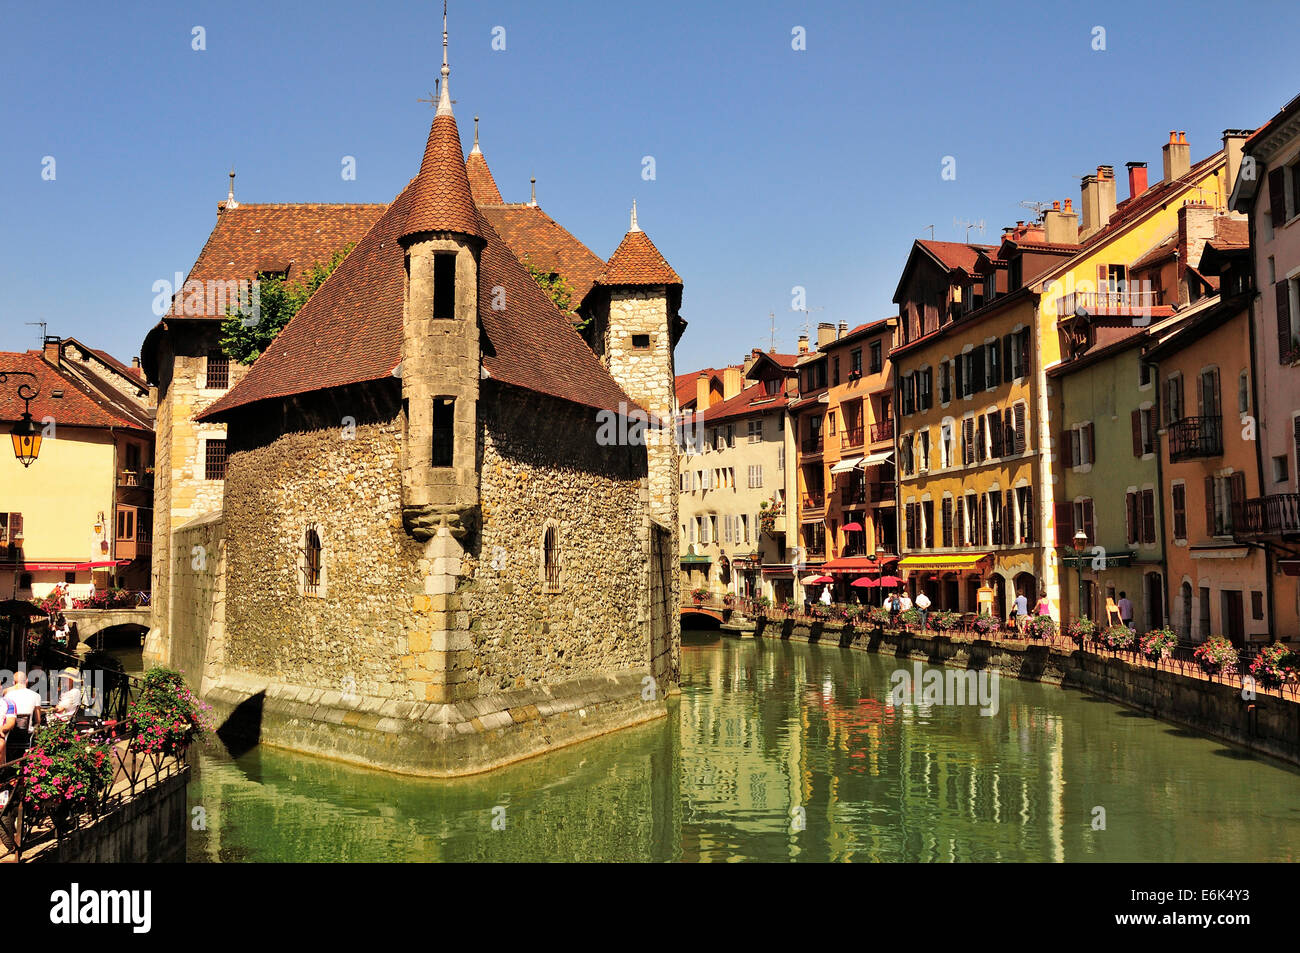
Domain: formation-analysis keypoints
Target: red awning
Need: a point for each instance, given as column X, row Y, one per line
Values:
column 104, row 564
column 42, row 567
column 858, row 564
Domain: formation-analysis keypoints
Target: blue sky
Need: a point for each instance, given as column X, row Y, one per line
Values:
column 774, row 168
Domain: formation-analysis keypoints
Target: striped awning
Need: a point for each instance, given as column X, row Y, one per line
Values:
column 934, row 563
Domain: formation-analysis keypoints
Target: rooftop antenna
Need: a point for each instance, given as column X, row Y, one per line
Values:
column 38, row 324
column 931, row 228
column 968, row 225
column 771, row 316
column 807, row 317
column 1038, row 208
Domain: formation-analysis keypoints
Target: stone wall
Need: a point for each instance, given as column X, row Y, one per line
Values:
column 151, row 828
column 198, row 599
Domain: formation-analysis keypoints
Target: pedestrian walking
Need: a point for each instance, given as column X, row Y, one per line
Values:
column 923, row 607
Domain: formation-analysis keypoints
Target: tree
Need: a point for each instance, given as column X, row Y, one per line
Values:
column 279, row 301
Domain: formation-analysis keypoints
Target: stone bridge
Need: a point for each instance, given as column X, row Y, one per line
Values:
column 92, row 621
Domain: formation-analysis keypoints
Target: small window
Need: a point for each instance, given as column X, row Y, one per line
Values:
column 1257, row 605
column 70, row 578
column 311, row 562
column 25, row 581
column 444, row 435
column 551, row 558
column 1243, row 393
column 214, row 452
column 1280, row 474
column 218, row 377
column 640, row 341
column 1144, row 374
column 444, row 287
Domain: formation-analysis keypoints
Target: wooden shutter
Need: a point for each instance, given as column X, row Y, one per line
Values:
column 968, row 441
column 995, row 434
column 977, row 370
column 1087, row 521
column 1277, row 196
column 995, row 365
column 947, row 521
column 1025, row 352
column 1028, row 515
column 1295, row 423
column 1008, row 432
column 1131, row 510
column 959, row 368
column 981, row 439
column 1282, row 292
column 1148, row 516
column 1103, row 284
column 1209, row 506
column 983, row 528
column 1007, row 370
column 1064, row 513
column 1067, row 458
column 1020, row 428
column 1009, row 517
column 1237, row 485
column 1092, row 444
column 1135, row 418
column 959, row 519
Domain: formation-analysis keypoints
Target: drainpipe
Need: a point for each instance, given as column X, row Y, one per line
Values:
column 1269, row 612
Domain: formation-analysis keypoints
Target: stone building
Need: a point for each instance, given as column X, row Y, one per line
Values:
column 448, row 535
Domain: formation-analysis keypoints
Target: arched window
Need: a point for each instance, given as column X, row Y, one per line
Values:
column 551, row 559
column 311, row 562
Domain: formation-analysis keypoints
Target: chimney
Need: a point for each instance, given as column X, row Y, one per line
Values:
column 1137, row 178
column 803, row 344
column 1233, row 139
column 1177, row 156
column 825, row 335
column 1088, row 205
column 135, row 362
column 750, row 358
column 53, row 349
column 730, row 382
column 1106, row 193
column 842, row 330
column 1195, row 228
column 702, row 392
column 1061, row 225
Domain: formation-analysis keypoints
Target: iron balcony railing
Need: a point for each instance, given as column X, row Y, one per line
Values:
column 814, row 501
column 1193, row 437
column 1276, row 515
column 883, row 491
column 851, row 438
column 812, row 444
column 850, row 495
column 882, row 431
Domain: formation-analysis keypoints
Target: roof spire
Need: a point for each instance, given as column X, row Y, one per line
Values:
column 476, row 150
column 444, row 95
column 635, row 227
column 230, row 196
column 532, row 200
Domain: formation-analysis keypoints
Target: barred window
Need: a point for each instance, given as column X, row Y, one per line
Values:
column 312, row 559
column 551, row 558
column 218, row 377
column 214, row 451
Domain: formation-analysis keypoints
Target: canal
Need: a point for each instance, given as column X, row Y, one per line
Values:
column 785, row 752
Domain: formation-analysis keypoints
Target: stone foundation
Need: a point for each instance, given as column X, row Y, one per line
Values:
column 428, row 739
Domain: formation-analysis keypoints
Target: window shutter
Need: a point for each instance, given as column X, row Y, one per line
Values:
column 1064, row 523
column 959, row 367
column 968, row 441
column 1209, row 506
column 1008, row 432
column 1009, row 517
column 1092, row 444
column 1008, row 371
column 1295, row 423
column 995, row 365
column 1103, row 282
column 959, row 522
column 1087, row 521
column 977, row 371
column 1135, row 418
column 1067, row 444
column 1237, row 485
column 1131, row 509
column 1025, row 351
column 1020, row 428
column 995, row 435
column 1028, row 515
column 1282, row 292
column 981, row 439
column 947, row 521
column 983, row 527
column 1148, row 516
column 1277, row 196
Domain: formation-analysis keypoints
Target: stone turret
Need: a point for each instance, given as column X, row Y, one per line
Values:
column 440, row 346
column 639, row 326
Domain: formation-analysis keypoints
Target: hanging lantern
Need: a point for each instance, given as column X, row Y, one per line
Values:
column 27, row 440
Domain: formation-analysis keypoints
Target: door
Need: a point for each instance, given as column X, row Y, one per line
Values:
column 1234, row 619
column 1154, row 599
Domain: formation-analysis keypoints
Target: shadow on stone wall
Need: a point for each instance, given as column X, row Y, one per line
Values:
column 241, row 731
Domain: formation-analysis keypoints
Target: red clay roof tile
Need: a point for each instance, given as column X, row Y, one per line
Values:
column 636, row 261
column 533, row 235
column 441, row 200
column 482, row 186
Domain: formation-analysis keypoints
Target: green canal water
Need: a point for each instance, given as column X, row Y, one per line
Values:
column 785, row 752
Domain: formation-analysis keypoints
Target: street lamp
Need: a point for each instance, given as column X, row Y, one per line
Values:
column 26, row 435
column 1080, row 544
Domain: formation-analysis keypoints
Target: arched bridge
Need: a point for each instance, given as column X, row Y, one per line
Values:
column 92, row 621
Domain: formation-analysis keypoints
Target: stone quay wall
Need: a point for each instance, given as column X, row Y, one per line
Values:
column 1268, row 724
column 150, row 828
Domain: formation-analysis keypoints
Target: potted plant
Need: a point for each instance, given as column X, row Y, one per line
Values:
column 943, row 621
column 910, row 618
column 985, row 624
column 729, row 599
column 1216, row 656
column 1080, row 629
column 63, row 774
column 1041, row 627
column 1117, row 637
column 1159, row 644
column 1274, row 665
column 166, row 716
column 699, row 595
column 878, row 616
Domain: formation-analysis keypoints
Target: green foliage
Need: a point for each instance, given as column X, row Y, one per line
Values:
column 64, row 773
column 166, row 716
column 554, row 285
column 280, row 300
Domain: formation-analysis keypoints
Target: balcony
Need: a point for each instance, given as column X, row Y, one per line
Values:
column 1116, row 301
column 852, row 437
column 814, row 501
column 882, row 431
column 853, row 495
column 134, row 478
column 812, row 444
column 1276, row 515
column 1194, row 437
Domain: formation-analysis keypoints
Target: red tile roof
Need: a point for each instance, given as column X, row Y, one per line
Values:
column 684, row 384
column 635, row 262
column 350, row 331
column 1157, row 254
column 440, row 199
column 1158, row 194
column 752, row 400
column 482, row 186
column 956, row 255
column 533, row 235
column 1231, row 232
column 248, row 237
column 78, row 407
